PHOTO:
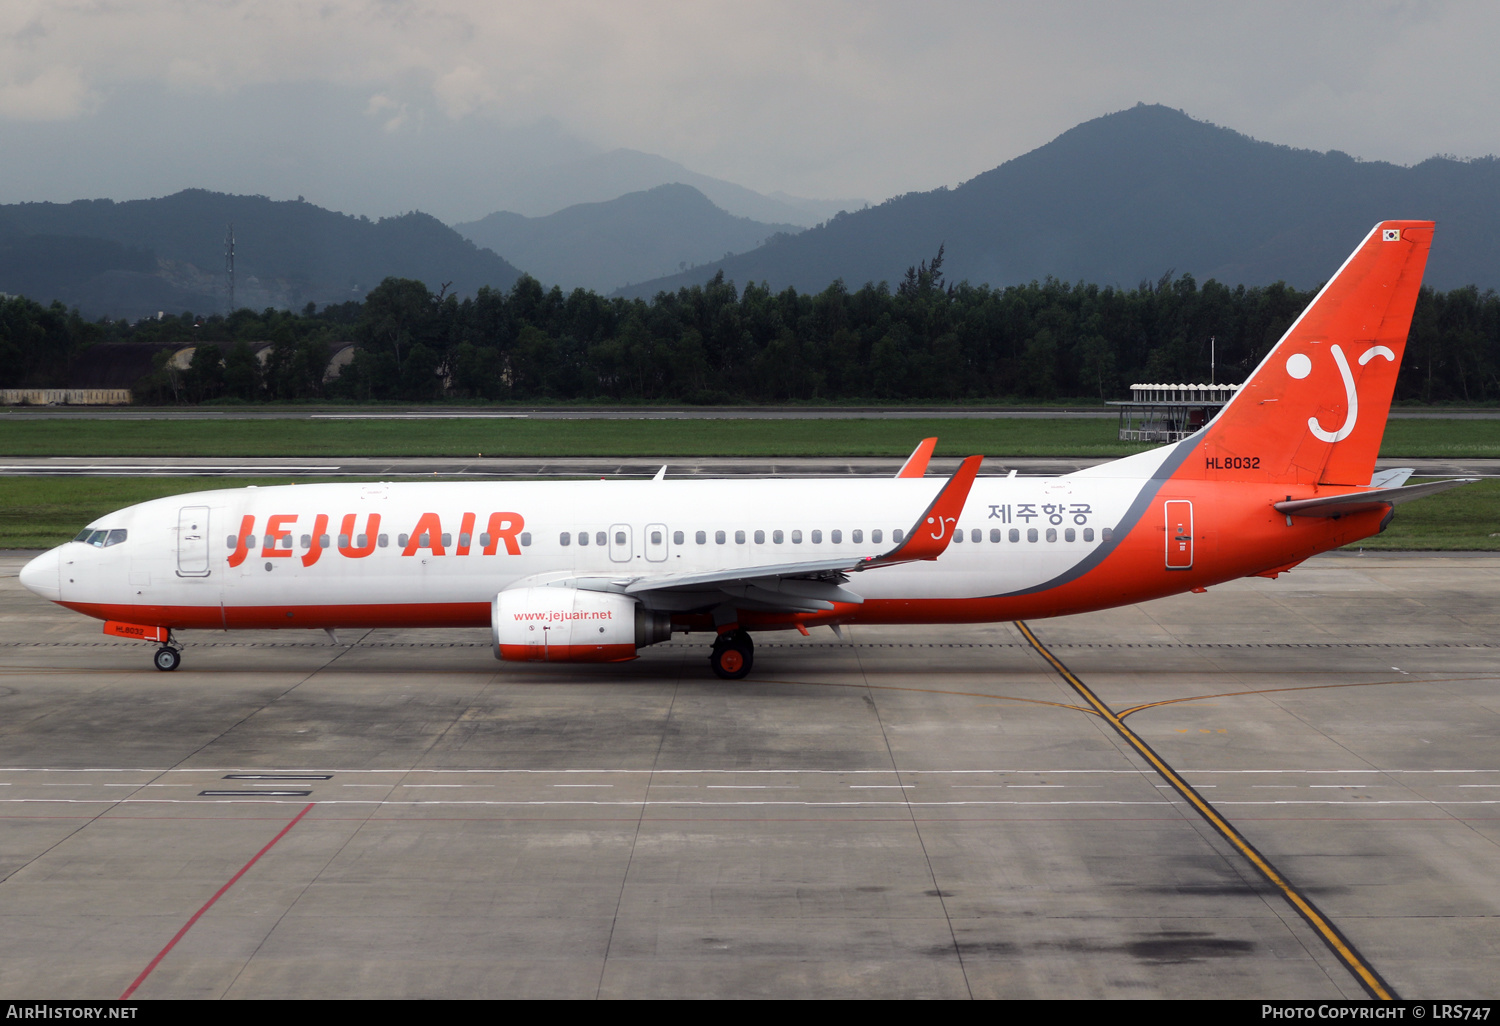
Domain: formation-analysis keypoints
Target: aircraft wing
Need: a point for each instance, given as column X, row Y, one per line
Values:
column 806, row 586
column 1359, row 502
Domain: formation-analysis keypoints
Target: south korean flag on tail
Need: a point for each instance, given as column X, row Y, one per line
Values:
column 1390, row 235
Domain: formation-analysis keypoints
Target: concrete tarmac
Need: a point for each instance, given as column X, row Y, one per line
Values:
column 913, row 812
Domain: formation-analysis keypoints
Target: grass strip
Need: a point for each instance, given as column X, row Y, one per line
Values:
column 549, row 438
column 1011, row 436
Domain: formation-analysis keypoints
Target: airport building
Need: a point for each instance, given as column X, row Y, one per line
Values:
column 1169, row 413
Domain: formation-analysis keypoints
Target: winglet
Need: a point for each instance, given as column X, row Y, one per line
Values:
column 930, row 535
column 916, row 463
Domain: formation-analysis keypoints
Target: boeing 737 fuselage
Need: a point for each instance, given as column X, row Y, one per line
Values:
column 594, row 570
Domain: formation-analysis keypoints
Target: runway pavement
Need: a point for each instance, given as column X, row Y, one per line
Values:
column 912, row 812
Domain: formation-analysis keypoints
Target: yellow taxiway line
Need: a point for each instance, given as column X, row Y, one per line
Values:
column 1342, row 949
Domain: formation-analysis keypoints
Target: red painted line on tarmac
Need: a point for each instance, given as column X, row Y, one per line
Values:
column 209, row 903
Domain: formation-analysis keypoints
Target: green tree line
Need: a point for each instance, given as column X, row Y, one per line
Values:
column 924, row 340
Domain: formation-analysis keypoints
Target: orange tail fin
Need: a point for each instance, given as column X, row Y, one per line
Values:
column 1314, row 411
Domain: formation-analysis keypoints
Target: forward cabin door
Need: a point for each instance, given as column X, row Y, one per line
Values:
column 1179, row 514
column 192, row 541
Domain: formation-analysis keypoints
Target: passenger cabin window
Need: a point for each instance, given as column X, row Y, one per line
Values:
column 1031, row 534
column 1070, row 535
column 739, row 537
column 858, row 536
column 777, row 536
column 897, row 535
column 599, row 538
column 525, row 537
column 796, row 537
column 384, row 539
column 702, row 537
column 837, row 536
column 343, row 541
column 565, row 539
column 677, row 537
column 323, row 541
column 402, row 539
column 583, row 537
column 1015, row 535
column 1106, row 533
column 760, row 537
column 1088, row 534
column 620, row 538
column 655, row 537
column 817, row 537
column 1052, row 534
column 995, row 534
column 447, row 539
column 718, row 537
column 976, row 535
column 958, row 536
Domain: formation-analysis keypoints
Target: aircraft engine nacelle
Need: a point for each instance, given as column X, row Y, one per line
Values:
column 569, row 625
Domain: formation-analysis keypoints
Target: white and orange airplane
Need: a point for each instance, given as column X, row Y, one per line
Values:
column 591, row 571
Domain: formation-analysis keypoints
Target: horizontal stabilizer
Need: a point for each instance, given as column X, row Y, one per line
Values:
column 1360, row 502
column 1391, row 478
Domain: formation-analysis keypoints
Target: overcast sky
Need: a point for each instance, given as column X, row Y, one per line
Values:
column 380, row 106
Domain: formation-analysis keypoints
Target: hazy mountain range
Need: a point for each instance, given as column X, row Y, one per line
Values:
column 638, row 236
column 135, row 258
column 606, row 176
column 1117, row 200
column 1136, row 194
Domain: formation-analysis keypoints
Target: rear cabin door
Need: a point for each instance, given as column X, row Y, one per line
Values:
column 1179, row 534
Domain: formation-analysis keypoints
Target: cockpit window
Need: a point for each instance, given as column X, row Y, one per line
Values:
column 101, row 539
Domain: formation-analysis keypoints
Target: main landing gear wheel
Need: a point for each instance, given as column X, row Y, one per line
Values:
column 167, row 658
column 732, row 656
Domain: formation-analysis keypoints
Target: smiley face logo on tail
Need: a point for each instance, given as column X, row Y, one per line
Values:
column 1299, row 366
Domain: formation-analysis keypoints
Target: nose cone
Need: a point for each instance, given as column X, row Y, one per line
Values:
column 40, row 576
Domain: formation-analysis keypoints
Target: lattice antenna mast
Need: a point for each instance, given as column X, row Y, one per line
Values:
column 229, row 266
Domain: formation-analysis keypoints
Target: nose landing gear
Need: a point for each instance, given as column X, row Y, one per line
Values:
column 167, row 658
column 732, row 656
